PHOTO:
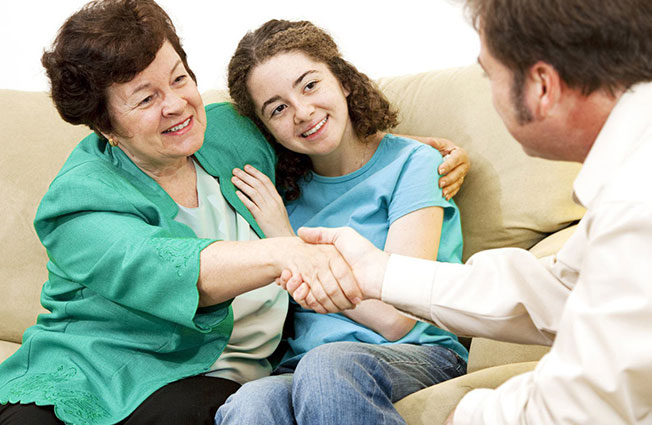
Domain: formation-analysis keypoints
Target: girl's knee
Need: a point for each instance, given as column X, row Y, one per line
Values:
column 270, row 388
column 334, row 352
column 333, row 359
column 258, row 401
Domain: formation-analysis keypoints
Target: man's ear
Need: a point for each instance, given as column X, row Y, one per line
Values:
column 544, row 89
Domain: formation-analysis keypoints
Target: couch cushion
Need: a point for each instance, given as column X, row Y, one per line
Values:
column 508, row 198
column 432, row 405
column 214, row 96
column 7, row 349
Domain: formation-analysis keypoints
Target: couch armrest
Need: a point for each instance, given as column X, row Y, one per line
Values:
column 432, row 405
column 487, row 353
column 551, row 244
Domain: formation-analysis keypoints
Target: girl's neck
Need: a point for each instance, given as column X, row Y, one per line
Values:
column 352, row 154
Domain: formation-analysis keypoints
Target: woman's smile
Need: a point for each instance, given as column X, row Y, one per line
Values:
column 180, row 128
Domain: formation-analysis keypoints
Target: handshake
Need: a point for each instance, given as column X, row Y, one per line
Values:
column 332, row 270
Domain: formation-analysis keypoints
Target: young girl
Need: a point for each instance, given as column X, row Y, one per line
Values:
column 336, row 168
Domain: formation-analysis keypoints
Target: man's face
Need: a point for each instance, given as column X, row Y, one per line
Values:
column 510, row 100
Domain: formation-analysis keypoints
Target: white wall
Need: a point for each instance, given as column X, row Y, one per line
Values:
column 380, row 37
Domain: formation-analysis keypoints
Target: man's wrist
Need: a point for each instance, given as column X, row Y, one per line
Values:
column 408, row 284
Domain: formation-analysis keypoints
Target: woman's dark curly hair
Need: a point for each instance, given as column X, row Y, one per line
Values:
column 105, row 42
column 369, row 110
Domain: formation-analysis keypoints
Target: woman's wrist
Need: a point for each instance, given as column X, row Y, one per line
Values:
column 278, row 251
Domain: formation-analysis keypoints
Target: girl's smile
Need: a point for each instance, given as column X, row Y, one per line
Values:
column 316, row 129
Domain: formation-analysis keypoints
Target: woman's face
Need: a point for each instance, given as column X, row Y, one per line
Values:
column 158, row 117
column 302, row 104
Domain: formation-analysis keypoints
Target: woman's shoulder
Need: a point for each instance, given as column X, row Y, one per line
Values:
column 91, row 155
column 232, row 140
column 223, row 121
column 96, row 177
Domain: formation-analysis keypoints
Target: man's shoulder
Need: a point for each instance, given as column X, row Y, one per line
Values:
column 632, row 182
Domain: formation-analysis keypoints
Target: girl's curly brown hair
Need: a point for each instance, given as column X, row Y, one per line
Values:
column 369, row 110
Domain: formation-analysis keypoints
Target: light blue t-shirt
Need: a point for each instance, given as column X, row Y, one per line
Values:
column 401, row 177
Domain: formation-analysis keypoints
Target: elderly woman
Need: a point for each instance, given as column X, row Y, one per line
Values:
column 139, row 286
column 148, row 242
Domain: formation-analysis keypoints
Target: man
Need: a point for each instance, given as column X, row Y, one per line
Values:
column 571, row 81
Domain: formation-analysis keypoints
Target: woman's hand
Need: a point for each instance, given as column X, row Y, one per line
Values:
column 455, row 166
column 261, row 198
column 328, row 283
column 231, row 268
column 367, row 262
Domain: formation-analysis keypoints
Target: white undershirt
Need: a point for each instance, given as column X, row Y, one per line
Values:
column 258, row 315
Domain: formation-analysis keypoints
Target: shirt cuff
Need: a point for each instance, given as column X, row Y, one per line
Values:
column 468, row 409
column 408, row 284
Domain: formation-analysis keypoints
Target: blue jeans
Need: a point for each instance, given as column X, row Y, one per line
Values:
column 342, row 383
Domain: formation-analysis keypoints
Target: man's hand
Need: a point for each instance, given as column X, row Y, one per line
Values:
column 327, row 282
column 366, row 261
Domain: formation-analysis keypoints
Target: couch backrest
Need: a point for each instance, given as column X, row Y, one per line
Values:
column 508, row 198
column 34, row 143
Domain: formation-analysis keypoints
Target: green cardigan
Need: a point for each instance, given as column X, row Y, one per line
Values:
column 122, row 281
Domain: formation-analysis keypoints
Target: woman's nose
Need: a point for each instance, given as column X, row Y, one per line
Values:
column 174, row 103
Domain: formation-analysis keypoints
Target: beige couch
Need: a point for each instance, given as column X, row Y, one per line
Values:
column 508, row 199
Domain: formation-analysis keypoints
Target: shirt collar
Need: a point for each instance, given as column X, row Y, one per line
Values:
column 621, row 134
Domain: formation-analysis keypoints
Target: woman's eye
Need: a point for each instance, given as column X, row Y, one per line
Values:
column 146, row 101
column 180, row 78
column 278, row 109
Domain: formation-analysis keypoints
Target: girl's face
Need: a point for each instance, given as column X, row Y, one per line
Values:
column 302, row 104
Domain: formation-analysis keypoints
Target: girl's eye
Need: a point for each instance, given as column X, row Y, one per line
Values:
column 311, row 85
column 180, row 78
column 278, row 109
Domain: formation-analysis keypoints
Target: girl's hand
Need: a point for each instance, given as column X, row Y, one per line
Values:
column 261, row 198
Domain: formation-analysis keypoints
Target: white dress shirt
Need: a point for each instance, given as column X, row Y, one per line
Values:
column 593, row 299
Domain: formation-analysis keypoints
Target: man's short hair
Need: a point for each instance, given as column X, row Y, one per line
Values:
column 593, row 44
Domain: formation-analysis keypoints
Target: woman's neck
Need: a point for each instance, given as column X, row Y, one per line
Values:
column 351, row 155
column 179, row 180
